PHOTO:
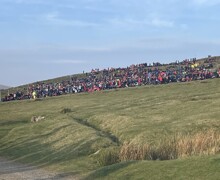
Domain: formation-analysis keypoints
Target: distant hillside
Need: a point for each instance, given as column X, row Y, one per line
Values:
column 214, row 60
column 3, row 87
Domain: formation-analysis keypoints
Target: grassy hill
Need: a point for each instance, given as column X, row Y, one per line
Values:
column 3, row 87
column 215, row 60
column 84, row 134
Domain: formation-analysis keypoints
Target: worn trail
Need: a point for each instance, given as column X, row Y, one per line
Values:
column 10, row 170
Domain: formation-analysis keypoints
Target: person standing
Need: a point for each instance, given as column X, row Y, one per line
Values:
column 34, row 94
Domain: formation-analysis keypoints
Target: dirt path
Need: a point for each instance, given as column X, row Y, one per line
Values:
column 10, row 170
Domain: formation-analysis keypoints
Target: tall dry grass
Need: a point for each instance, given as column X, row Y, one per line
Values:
column 201, row 143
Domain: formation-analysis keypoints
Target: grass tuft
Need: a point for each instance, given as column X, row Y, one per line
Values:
column 201, row 143
column 108, row 156
column 66, row 110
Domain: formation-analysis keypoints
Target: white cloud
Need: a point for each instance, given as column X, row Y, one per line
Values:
column 66, row 61
column 206, row 2
column 200, row 1
column 162, row 23
column 156, row 22
column 26, row 1
column 124, row 22
column 184, row 26
column 55, row 19
column 89, row 49
column 66, row 48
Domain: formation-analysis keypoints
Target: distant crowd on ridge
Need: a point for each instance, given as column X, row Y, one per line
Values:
column 135, row 75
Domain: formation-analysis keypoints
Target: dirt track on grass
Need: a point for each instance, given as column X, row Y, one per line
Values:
column 10, row 170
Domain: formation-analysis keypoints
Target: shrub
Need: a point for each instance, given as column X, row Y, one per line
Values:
column 66, row 110
column 108, row 156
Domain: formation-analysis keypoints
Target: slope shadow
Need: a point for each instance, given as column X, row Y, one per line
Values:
column 105, row 171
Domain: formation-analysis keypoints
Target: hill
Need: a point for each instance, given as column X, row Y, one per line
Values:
column 3, row 87
column 134, row 75
column 117, row 134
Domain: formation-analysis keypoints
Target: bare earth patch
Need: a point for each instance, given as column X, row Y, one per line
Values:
column 10, row 170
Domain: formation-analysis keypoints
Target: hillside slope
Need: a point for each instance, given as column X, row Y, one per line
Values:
column 79, row 127
column 3, row 87
column 121, row 77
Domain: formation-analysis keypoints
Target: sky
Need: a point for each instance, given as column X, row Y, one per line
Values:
column 43, row 39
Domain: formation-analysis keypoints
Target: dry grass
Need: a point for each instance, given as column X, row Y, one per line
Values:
column 201, row 143
column 179, row 146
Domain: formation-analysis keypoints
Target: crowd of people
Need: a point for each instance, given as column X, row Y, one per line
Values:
column 135, row 75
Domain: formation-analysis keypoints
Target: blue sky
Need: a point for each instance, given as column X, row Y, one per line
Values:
column 42, row 39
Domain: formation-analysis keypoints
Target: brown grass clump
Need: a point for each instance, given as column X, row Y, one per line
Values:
column 201, row 143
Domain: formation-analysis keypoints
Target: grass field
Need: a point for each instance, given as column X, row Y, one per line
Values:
column 79, row 128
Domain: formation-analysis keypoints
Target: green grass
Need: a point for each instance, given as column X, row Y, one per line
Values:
column 201, row 168
column 79, row 125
